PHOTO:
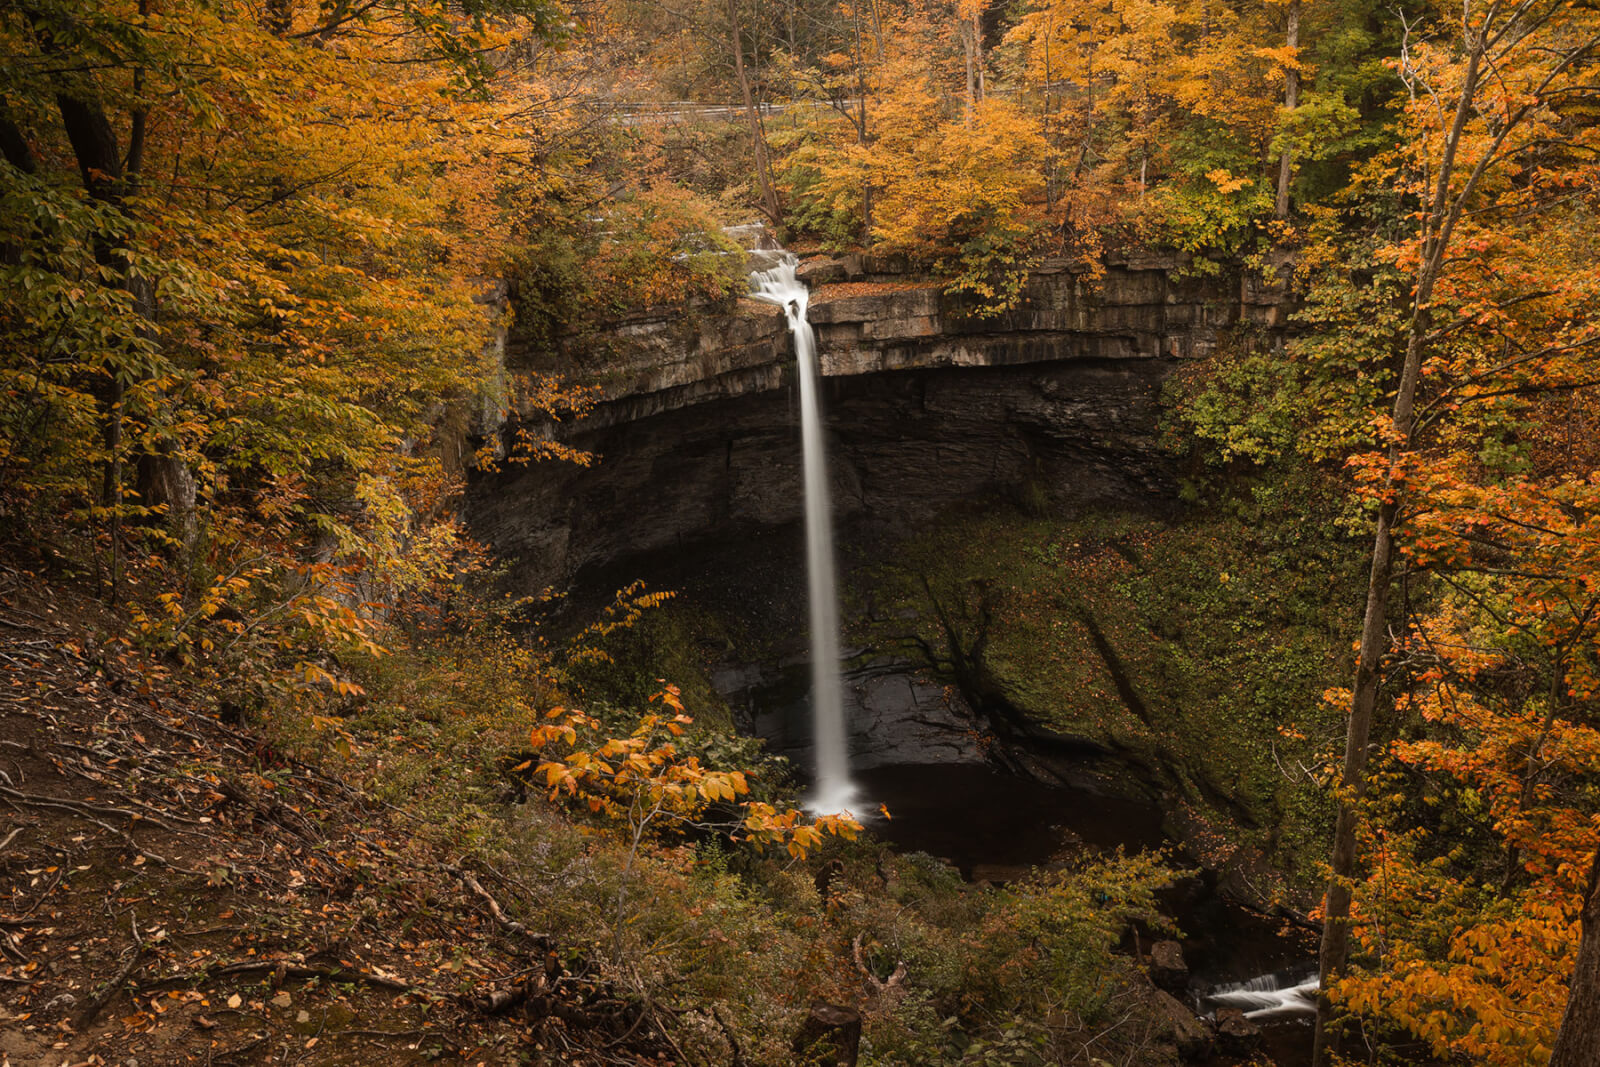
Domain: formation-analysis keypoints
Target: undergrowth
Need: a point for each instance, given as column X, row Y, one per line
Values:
column 739, row 940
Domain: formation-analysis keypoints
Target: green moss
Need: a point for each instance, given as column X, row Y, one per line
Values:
column 1201, row 646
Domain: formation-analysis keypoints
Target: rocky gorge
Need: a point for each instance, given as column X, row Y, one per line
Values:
column 694, row 427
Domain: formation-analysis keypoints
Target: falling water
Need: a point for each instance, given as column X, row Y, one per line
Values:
column 1270, row 996
column 834, row 791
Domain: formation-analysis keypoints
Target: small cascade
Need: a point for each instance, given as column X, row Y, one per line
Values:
column 834, row 792
column 1271, row 996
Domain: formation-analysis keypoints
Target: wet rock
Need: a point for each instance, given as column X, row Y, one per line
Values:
column 830, row 1035
column 998, row 873
column 902, row 446
column 1236, row 1035
column 1168, row 969
column 895, row 716
column 1191, row 1035
column 694, row 420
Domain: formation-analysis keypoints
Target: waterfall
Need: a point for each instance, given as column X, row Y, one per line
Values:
column 833, row 791
column 1271, row 995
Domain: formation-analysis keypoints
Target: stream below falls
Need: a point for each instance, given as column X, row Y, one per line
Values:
column 952, row 804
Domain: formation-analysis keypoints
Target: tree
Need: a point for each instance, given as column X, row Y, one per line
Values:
column 646, row 782
column 1291, row 100
column 1489, row 104
column 242, row 258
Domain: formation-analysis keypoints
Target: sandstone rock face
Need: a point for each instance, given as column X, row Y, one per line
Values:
column 697, row 433
column 902, row 446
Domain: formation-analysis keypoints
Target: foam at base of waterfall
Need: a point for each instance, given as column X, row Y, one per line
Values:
column 832, row 798
column 1269, row 996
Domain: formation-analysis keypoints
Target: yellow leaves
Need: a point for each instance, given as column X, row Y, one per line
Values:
column 1225, row 182
column 644, row 780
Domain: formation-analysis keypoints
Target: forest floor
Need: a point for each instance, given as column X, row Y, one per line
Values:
column 174, row 890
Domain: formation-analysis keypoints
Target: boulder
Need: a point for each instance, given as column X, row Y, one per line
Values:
column 820, row 270
column 1168, row 969
column 1236, row 1035
column 1189, row 1033
column 831, row 1036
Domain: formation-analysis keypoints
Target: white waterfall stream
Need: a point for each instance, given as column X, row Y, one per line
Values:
column 1269, row 996
column 834, row 791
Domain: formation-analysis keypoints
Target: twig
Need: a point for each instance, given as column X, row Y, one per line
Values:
column 11, row 947
column 61, row 872
column 97, row 1005
column 12, row 836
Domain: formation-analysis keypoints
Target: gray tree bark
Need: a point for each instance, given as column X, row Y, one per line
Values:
column 1578, row 1040
column 1291, row 100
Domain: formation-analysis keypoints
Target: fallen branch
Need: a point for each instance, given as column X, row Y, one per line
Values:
column 77, row 807
column 284, row 971
column 332, row 974
column 733, row 1042
column 878, row 986
column 495, row 911
column 498, row 1000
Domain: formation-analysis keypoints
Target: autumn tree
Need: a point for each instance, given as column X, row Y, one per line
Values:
column 648, row 783
column 243, row 257
column 1494, row 140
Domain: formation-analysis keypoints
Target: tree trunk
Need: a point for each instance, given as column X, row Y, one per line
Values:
column 94, row 145
column 968, row 46
column 769, row 195
column 278, row 17
column 863, row 137
column 1438, row 225
column 1291, row 100
column 977, row 50
column 1578, row 1040
column 163, row 481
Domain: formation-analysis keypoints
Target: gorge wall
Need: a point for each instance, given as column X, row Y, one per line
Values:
column 697, row 437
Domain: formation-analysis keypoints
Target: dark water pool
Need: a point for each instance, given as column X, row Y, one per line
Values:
column 992, row 824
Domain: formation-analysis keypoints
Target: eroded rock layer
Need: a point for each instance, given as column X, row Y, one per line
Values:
column 697, row 433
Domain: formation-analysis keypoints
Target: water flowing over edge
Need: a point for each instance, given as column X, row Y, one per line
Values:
column 833, row 791
column 1270, row 996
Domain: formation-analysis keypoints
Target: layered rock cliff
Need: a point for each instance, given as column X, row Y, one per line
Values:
column 697, row 437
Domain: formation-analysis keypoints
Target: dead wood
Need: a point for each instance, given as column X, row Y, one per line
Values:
column 879, row 987
column 284, row 971
column 495, row 911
